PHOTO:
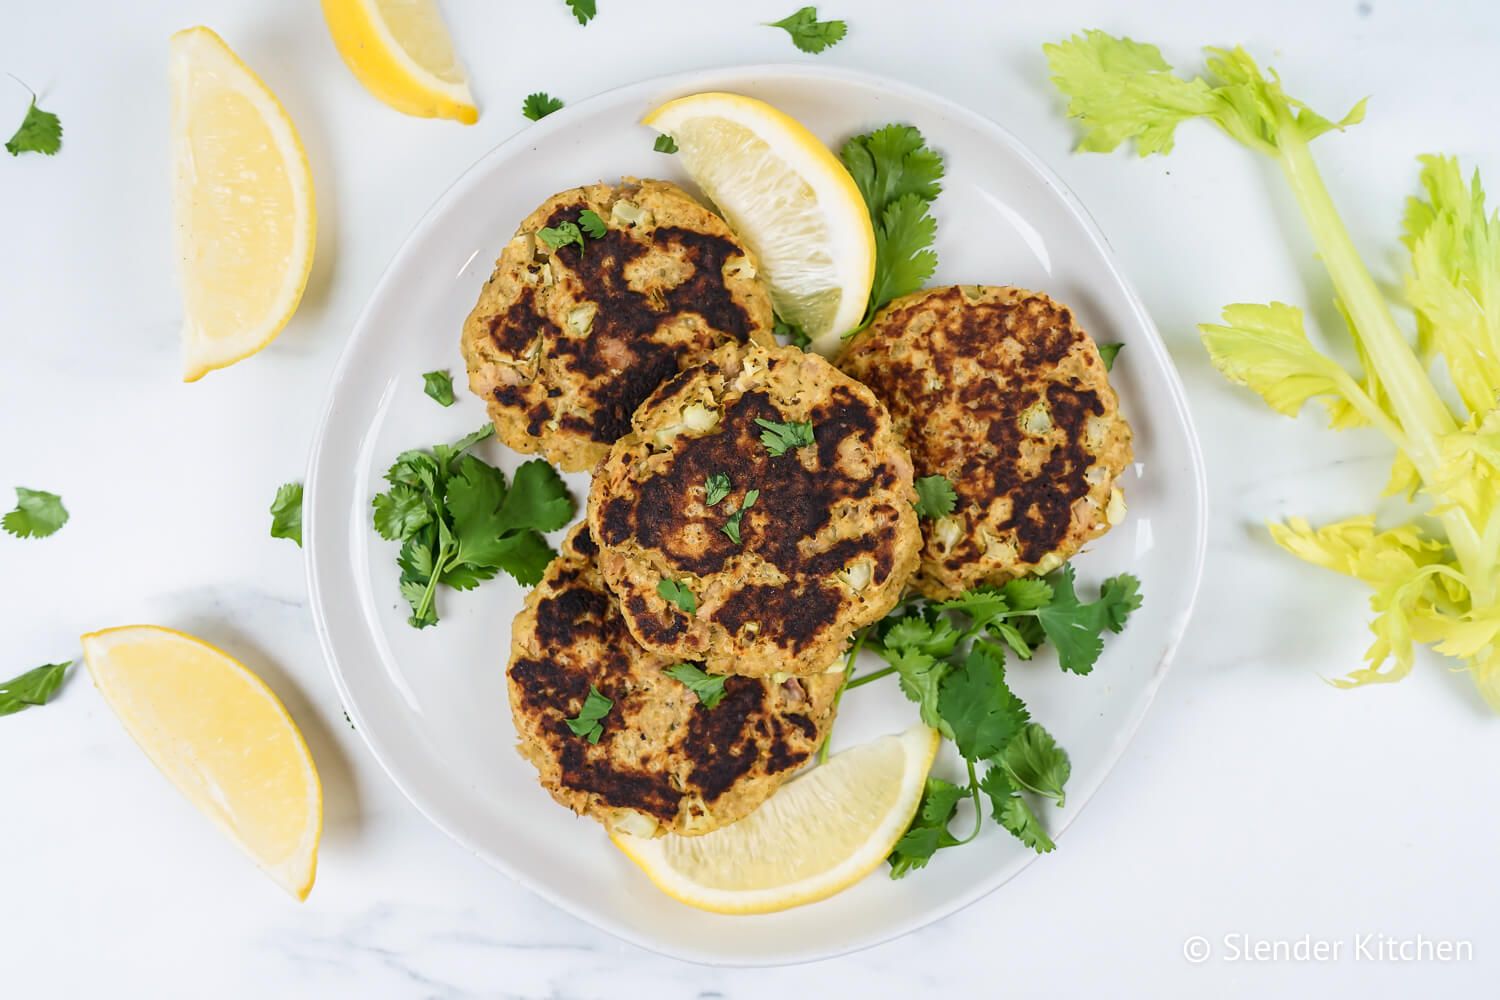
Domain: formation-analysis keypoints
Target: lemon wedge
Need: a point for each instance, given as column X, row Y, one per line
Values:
column 791, row 201
column 243, row 204
column 222, row 737
column 819, row 834
column 400, row 50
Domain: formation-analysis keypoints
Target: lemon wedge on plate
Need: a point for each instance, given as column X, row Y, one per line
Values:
column 401, row 51
column 789, row 198
column 222, row 737
column 819, row 834
column 243, row 204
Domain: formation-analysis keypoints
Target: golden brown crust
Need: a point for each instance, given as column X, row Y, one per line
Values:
column 826, row 549
column 663, row 763
column 1001, row 391
column 563, row 345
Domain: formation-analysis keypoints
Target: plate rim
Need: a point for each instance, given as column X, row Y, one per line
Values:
column 718, row 78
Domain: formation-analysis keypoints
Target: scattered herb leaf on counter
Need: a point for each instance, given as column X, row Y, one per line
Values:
column 460, row 523
column 949, row 658
column 439, row 385
column 37, row 514
column 779, row 438
column 793, row 334
column 900, row 177
column 716, row 487
column 708, row 687
column 665, row 144
column 678, row 594
column 34, row 687
column 1108, row 353
column 1436, row 578
column 286, row 513
column 935, row 497
column 40, row 131
column 539, row 105
column 584, row 10
column 732, row 526
column 588, row 723
column 592, row 224
column 808, row 33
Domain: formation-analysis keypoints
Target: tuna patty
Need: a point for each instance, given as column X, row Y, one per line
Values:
column 663, row 763
column 564, row 344
column 825, row 549
column 1001, row 391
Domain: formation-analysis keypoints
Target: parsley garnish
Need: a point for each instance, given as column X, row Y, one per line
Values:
column 808, row 33
column 899, row 178
column 1107, row 352
column 439, row 385
column 587, row 723
column 34, row 687
column 539, row 105
column 935, row 497
column 779, row 438
column 591, row 223
column 678, row 594
column 794, row 335
column 286, row 513
column 716, row 487
column 665, row 144
column 949, row 658
column 708, row 687
column 460, row 523
column 40, row 131
column 584, row 10
column 732, row 526
column 37, row 514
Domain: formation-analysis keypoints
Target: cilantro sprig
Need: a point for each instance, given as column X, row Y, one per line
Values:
column 899, row 177
column 39, row 132
column 589, row 722
column 808, row 33
column 935, row 497
column 286, row 513
column 708, row 687
column 737, row 514
column 37, row 514
column 584, row 10
column 34, row 687
column 665, row 144
column 539, row 105
column 949, row 658
column 780, row 438
column 716, row 487
column 439, row 386
column 590, row 223
column 460, row 523
column 677, row 593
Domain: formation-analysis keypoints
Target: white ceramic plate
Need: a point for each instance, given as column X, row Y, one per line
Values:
column 432, row 704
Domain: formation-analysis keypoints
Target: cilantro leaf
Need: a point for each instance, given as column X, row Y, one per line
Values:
column 446, row 454
column 921, row 676
column 37, row 514
column 400, row 511
column 1074, row 627
column 34, row 687
column 1011, row 811
column 539, row 105
column 588, row 723
column 286, row 513
column 497, row 528
column 978, row 705
column 561, row 235
column 584, row 10
column 665, row 144
column 904, row 258
column 928, row 832
column 1027, row 593
column 538, row 500
column 808, row 33
column 678, row 594
column 935, row 497
column 40, row 132
column 715, row 488
column 794, row 335
column 1119, row 596
column 1033, row 760
column 779, row 438
column 439, row 385
column 708, row 687
column 524, row 555
column 732, row 526
column 980, row 603
column 1107, row 353
column 592, row 223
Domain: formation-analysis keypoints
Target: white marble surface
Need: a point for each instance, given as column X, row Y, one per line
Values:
column 1255, row 799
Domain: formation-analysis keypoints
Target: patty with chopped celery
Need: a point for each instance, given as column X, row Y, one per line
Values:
column 1000, row 392
column 586, row 314
column 758, row 513
column 665, row 757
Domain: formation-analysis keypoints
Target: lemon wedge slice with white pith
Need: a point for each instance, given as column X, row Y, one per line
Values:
column 400, row 50
column 243, row 205
column 222, row 737
column 819, row 834
column 789, row 198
